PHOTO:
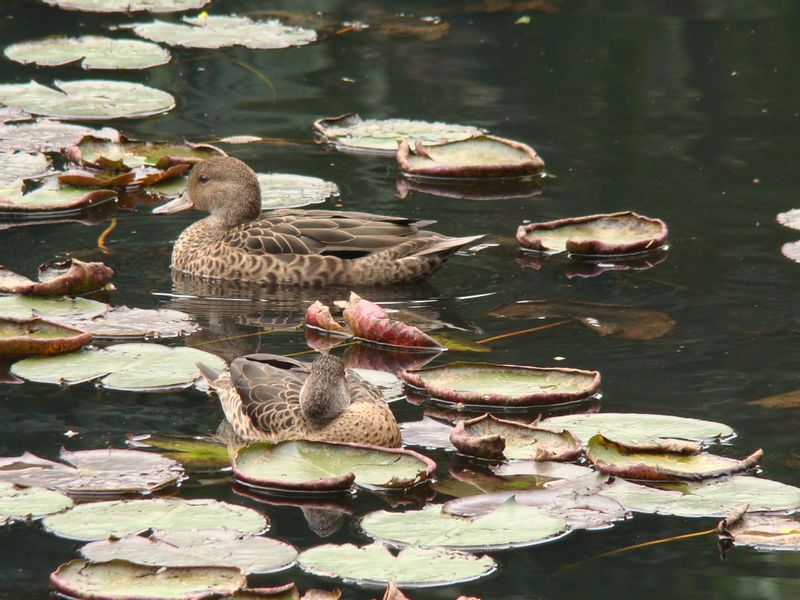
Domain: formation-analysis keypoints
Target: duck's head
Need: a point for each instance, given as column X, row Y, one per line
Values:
column 324, row 394
column 223, row 186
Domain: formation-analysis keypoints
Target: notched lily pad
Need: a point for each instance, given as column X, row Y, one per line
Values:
column 492, row 438
column 595, row 235
column 483, row 156
column 94, row 52
column 51, row 200
column 762, row 531
column 489, row 384
column 21, row 503
column 45, row 135
column 127, row 154
column 70, row 277
column 28, row 337
column 309, row 467
column 351, row 133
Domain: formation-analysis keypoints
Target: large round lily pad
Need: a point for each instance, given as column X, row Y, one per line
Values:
column 27, row 337
column 412, row 567
column 222, row 31
column 121, row 580
column 504, row 385
column 118, row 518
column 94, row 52
column 20, row 503
column 509, row 525
column 595, row 235
column 45, row 135
column 762, row 531
column 351, row 133
column 121, row 367
column 326, row 466
column 197, row 548
column 28, row 307
column 51, row 199
column 127, row 6
column 87, row 99
column 126, row 154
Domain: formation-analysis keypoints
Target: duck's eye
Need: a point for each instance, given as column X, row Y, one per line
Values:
column 202, row 178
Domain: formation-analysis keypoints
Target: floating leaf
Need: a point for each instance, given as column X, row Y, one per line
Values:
column 595, row 235
column 223, row 31
column 48, row 136
column 284, row 190
column 791, row 250
column 762, row 531
column 128, row 154
column 16, row 166
column 122, row 322
column 27, row 337
column 28, row 307
column 319, row 315
column 482, row 156
column 509, row 525
column 88, row 99
column 351, row 133
column 504, row 385
column 69, row 277
column 94, row 52
column 94, row 472
column 12, row 114
column 51, row 199
column 22, row 503
column 489, row 437
column 412, row 567
column 121, row 367
column 428, row 433
column 371, row 323
column 326, row 466
column 790, row 218
column 786, row 400
column 196, row 454
column 128, row 6
column 118, row 518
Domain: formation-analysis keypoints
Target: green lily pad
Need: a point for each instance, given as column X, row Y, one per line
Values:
column 351, row 133
column 121, row 580
column 51, row 199
column 197, row 548
column 22, row 503
column 284, row 190
column 16, row 166
column 12, row 114
column 128, row 6
column 762, row 531
column 94, row 472
column 325, row 466
column 412, row 567
column 28, row 307
column 121, row 322
column 636, row 427
column 121, row 367
column 88, row 99
column 509, row 525
column 128, row 154
column 45, row 135
column 118, row 518
column 222, row 31
column 94, row 52
column 196, row 454
column 28, row 337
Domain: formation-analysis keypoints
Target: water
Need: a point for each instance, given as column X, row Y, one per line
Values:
column 683, row 111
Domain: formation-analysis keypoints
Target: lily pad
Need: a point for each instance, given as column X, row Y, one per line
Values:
column 504, row 385
column 127, row 154
column 318, row 315
column 650, row 461
column 118, row 518
column 636, row 427
column 197, row 548
column 196, row 454
column 121, row 580
column 351, row 133
column 94, row 472
column 595, row 235
column 509, row 525
column 88, row 99
column 329, row 467
column 762, row 531
column 16, row 166
column 428, row 433
column 51, row 199
column 790, row 218
column 68, row 277
column 791, row 250
column 489, row 437
column 45, row 135
column 122, row 367
column 412, row 567
column 222, row 31
column 94, row 52
column 19, row 503
column 28, row 307
column 128, row 6
column 27, row 337
column 482, row 156
column 284, row 190
column 121, row 322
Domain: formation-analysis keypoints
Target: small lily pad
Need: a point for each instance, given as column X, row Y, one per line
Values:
column 351, row 133
column 222, row 31
column 51, row 199
column 121, row 367
column 489, row 437
column 196, row 454
column 790, row 218
column 412, row 567
column 94, row 52
column 28, row 307
column 284, row 190
column 595, row 235
column 428, row 433
column 28, row 337
column 121, row 322
column 762, row 531
column 87, row 99
column 329, row 467
column 45, row 135
column 509, row 525
column 483, row 156
column 127, row 154
column 19, row 503
column 128, row 6
column 121, row 580
column 118, row 518
column 791, row 250
column 69, row 277
column 504, row 385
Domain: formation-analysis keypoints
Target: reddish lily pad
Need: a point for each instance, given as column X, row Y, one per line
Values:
column 28, row 337
column 371, row 323
column 762, row 531
column 51, row 199
column 93, row 52
column 654, row 461
column 318, row 315
column 71, row 277
column 595, row 235
column 45, row 135
column 129, row 154
column 504, row 385
column 492, row 438
column 21, row 503
column 483, row 156
column 428, row 433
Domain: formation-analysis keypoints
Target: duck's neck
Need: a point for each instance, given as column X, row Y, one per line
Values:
column 323, row 398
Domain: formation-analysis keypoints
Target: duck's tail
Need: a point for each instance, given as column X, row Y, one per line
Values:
column 209, row 374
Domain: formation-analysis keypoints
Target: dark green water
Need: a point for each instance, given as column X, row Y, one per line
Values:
column 687, row 111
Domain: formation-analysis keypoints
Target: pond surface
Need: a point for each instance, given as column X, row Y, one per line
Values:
column 684, row 111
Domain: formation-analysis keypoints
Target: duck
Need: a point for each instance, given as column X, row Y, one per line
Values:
column 275, row 398
column 237, row 242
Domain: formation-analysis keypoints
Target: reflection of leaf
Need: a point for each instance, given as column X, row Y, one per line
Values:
column 786, row 400
column 196, row 454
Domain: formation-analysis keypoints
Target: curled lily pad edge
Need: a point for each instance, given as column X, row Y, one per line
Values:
column 24, row 345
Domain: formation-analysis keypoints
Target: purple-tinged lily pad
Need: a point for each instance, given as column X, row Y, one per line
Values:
column 71, row 277
column 492, row 438
column 29, row 337
column 105, row 472
column 21, row 503
column 595, row 235
column 483, row 156
column 663, row 462
column 791, row 250
column 128, row 6
column 93, row 51
column 504, row 385
column 762, row 531
column 427, row 433
column 45, row 135
column 51, row 199
column 790, row 218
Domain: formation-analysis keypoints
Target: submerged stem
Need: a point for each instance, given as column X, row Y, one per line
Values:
column 273, row 90
column 521, row 332
column 101, row 241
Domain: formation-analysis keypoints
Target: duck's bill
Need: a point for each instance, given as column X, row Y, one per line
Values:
column 182, row 202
